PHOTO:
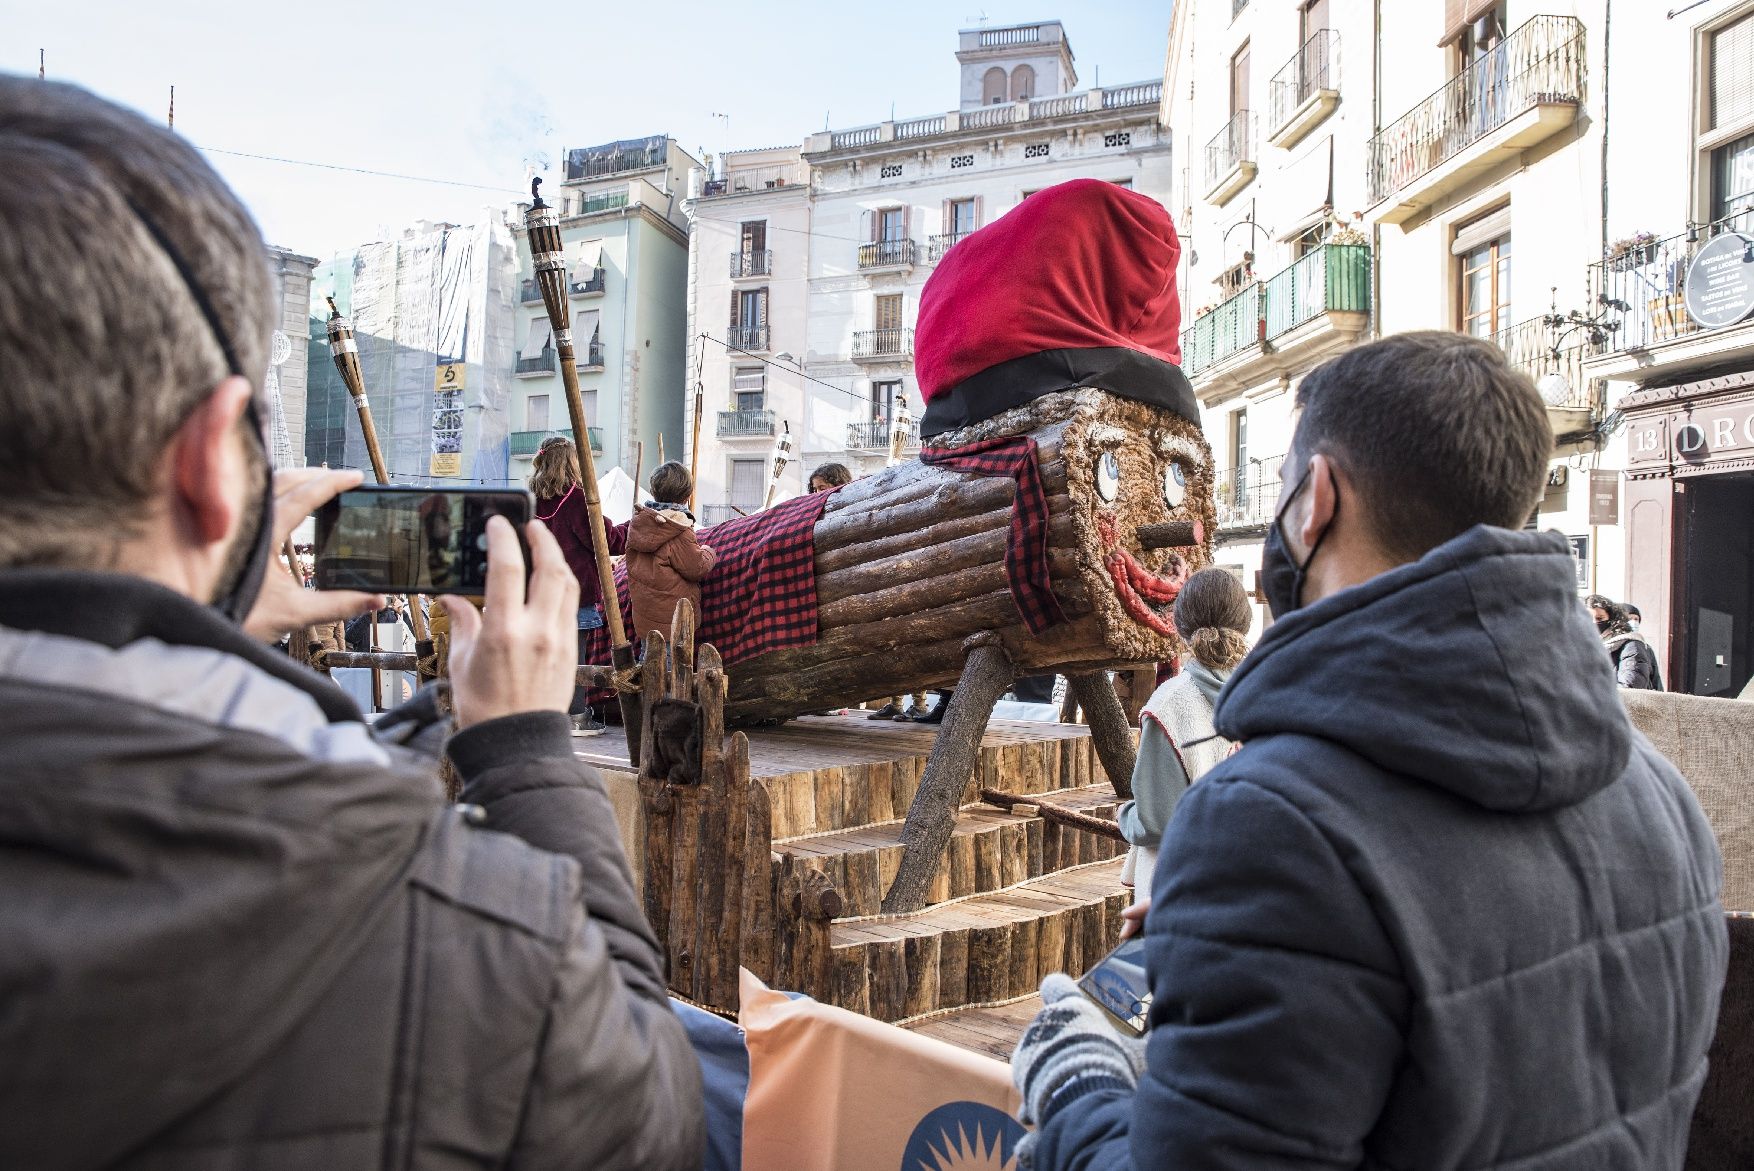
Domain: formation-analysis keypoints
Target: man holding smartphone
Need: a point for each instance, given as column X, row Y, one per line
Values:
column 236, row 929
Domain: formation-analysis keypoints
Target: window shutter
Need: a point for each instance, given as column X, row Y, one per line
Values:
column 735, row 320
column 761, row 309
column 1459, row 14
column 1732, row 74
column 947, row 217
column 541, row 334
column 977, row 213
column 1487, row 228
column 585, row 326
column 869, row 227
column 906, row 217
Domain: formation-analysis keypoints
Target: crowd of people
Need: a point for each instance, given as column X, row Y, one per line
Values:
column 1443, row 908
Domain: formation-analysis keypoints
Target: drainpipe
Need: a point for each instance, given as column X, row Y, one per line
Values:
column 1607, row 27
column 1376, row 129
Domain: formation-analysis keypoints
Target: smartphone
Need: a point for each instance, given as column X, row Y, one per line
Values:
column 1118, row 985
column 395, row 540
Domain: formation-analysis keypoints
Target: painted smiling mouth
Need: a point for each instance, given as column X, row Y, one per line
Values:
column 1144, row 595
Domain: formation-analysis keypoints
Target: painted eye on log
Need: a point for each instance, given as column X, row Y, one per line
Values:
column 1108, row 476
column 1175, row 485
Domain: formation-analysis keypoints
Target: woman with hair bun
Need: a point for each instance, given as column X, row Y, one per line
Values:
column 1177, row 742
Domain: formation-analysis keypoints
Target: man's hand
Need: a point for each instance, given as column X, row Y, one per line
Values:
column 521, row 653
column 1133, row 918
column 284, row 606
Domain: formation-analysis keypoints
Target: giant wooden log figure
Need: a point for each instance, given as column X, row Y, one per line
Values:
column 1062, row 496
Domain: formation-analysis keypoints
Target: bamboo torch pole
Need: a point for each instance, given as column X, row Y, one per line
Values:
column 782, row 455
column 548, row 253
column 694, row 451
column 345, row 350
column 639, row 466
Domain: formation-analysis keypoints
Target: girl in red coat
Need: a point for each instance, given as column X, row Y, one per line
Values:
column 560, row 504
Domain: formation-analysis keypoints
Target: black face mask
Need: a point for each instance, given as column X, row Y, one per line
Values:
column 1281, row 577
column 1602, row 624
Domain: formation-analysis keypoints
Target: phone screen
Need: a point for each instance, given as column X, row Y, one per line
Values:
column 413, row 540
column 1119, row 986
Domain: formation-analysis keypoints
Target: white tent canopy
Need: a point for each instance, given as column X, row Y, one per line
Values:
column 617, row 490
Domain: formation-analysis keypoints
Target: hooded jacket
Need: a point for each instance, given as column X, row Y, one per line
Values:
column 238, row 932
column 1444, row 908
column 665, row 563
column 1635, row 663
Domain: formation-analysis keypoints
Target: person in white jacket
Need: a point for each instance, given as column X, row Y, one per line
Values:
column 1177, row 742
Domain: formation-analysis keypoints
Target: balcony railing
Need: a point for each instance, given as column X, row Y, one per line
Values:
column 1332, row 278
column 1316, row 67
column 989, row 116
column 937, row 246
column 874, row 436
column 749, row 337
column 526, row 443
column 740, row 182
column 921, row 127
column 863, row 136
column 886, row 253
column 995, row 38
column 1233, row 326
column 1247, row 497
column 1145, row 93
column 1229, row 149
column 755, row 263
column 1650, row 280
column 1541, row 63
column 591, row 286
column 1529, row 346
column 543, row 363
column 712, row 514
column 529, row 292
column 883, row 343
column 745, row 424
column 590, row 357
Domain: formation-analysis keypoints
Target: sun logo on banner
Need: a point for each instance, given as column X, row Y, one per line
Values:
column 963, row 1136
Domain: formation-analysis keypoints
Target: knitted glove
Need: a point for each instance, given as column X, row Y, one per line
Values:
column 1069, row 1050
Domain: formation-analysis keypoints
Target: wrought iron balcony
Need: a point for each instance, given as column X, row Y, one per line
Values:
column 1538, row 68
column 1302, row 93
column 878, row 344
column 543, row 363
column 589, row 357
column 1247, row 497
column 1334, row 278
column 937, row 246
column 1648, row 277
column 526, row 443
column 874, row 437
column 712, row 514
column 1529, row 346
column 1232, row 327
column 1230, row 159
column 752, row 338
column 746, row 424
column 756, row 263
column 748, row 179
column 591, row 286
column 886, row 254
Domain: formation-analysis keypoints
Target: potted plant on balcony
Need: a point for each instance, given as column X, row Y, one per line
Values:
column 1632, row 252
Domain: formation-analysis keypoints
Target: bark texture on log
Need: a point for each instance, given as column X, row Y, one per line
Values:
column 1108, row 728
column 932, row 816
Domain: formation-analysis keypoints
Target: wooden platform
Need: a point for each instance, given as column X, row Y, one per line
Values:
column 990, row 1031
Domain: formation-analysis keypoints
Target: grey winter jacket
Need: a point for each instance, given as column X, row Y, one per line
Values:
column 237, row 933
column 1444, row 909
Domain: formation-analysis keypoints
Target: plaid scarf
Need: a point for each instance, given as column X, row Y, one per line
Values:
column 761, row 593
column 1026, row 547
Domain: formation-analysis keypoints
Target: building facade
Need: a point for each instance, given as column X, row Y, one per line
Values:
column 286, row 381
column 748, row 266
column 432, row 316
column 1332, row 194
column 1677, row 275
column 626, row 236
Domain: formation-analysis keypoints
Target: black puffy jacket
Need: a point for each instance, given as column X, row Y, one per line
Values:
column 1443, row 910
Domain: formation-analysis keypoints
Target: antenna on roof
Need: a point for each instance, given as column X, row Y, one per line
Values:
column 42, row 64
column 170, row 117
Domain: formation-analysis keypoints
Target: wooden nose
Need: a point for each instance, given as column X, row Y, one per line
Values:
column 1175, row 534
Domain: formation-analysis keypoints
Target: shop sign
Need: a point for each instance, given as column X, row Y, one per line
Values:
column 1580, row 560
column 1720, row 281
column 1698, row 436
column 1604, row 497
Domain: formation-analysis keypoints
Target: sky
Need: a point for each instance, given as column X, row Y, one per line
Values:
column 478, row 93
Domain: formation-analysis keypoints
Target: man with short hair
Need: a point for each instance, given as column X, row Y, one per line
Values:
column 1444, row 908
column 236, row 930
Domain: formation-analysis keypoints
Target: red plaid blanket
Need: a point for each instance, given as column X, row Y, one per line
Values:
column 761, row 593
column 1026, row 546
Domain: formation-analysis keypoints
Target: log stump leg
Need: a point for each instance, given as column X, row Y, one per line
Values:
column 1108, row 729
column 986, row 675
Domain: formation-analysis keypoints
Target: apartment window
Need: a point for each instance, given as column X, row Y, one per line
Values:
column 754, row 236
column 1487, row 24
column 1239, row 438
column 749, row 319
column 589, row 398
column 1482, row 250
column 993, row 87
column 883, row 396
column 892, row 224
column 1730, row 115
column 1239, row 81
column 887, row 313
column 748, row 484
column 1126, row 183
column 749, row 387
column 961, row 217
column 1022, row 83
column 1234, row 279
column 1312, row 19
column 1306, row 241
column 536, row 413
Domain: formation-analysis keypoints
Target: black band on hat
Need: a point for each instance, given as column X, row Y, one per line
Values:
column 1120, row 371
